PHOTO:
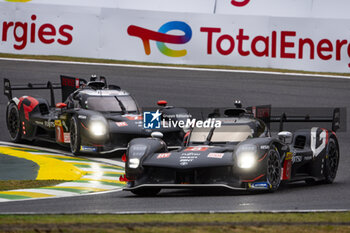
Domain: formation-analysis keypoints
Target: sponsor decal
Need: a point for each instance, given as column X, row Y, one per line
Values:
column 133, row 118
column 278, row 44
column 58, row 123
column 216, row 155
column 71, row 82
column 39, row 122
column 196, row 148
column 82, row 117
column 88, row 148
column 259, row 185
column 297, row 159
column 163, row 155
column 121, row 124
column 239, row 3
column 49, row 124
column 289, row 156
column 186, row 158
column 66, row 137
column 190, row 154
column 151, row 120
column 161, row 37
column 264, row 147
column 30, row 31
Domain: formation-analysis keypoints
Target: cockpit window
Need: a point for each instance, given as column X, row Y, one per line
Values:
column 129, row 103
column 200, row 134
column 122, row 104
column 225, row 133
column 231, row 133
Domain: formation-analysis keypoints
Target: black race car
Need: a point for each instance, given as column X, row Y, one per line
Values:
column 241, row 154
column 92, row 117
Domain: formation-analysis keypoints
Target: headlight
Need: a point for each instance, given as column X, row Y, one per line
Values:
column 246, row 160
column 98, row 126
column 246, row 156
column 134, row 163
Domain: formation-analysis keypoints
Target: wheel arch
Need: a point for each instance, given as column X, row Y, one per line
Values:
column 334, row 137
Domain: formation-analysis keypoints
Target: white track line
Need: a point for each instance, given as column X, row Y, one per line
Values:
column 100, row 170
column 88, row 185
column 175, row 68
column 48, row 191
column 102, row 160
column 105, row 177
column 43, row 198
column 4, row 200
column 212, row 211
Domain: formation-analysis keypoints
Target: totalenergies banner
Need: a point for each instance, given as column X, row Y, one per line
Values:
column 291, row 8
column 297, row 43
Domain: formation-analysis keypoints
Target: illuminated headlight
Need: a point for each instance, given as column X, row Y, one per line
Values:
column 98, row 126
column 134, row 163
column 246, row 156
column 246, row 160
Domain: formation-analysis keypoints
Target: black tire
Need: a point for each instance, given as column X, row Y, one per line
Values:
column 146, row 192
column 75, row 140
column 273, row 169
column 14, row 123
column 331, row 162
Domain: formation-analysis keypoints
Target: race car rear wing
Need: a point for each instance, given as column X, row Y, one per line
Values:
column 264, row 113
column 67, row 85
column 8, row 88
column 335, row 119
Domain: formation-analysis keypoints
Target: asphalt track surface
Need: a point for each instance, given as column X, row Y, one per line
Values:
column 197, row 89
column 13, row 168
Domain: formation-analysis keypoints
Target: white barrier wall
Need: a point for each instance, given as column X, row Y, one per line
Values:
column 293, row 42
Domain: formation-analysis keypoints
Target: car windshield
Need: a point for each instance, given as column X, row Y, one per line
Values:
column 231, row 133
column 123, row 104
column 225, row 133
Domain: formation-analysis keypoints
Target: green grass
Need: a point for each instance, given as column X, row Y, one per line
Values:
column 249, row 222
column 93, row 60
column 25, row 184
column 178, row 218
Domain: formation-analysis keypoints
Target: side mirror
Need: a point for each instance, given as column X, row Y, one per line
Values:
column 162, row 103
column 157, row 134
column 283, row 135
column 61, row 105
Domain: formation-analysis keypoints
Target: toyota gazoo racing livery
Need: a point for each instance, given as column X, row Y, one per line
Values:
column 92, row 117
column 239, row 155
